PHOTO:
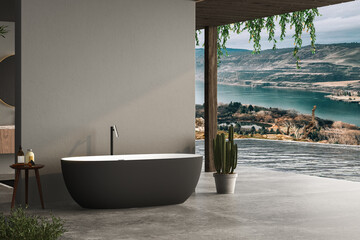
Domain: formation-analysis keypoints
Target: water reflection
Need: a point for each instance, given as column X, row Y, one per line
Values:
column 323, row 160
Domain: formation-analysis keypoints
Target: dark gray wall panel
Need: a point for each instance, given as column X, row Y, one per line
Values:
column 7, row 10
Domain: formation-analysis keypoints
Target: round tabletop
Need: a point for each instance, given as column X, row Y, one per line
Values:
column 26, row 166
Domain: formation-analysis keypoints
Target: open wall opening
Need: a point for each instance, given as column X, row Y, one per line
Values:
column 305, row 120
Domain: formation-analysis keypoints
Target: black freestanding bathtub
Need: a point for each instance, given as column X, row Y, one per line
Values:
column 139, row 180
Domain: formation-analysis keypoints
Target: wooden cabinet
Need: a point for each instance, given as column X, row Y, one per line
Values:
column 7, row 139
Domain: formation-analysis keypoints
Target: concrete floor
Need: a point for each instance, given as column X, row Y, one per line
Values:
column 267, row 205
column 6, row 173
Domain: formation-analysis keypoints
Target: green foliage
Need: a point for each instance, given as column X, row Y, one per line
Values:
column 3, row 31
column 233, row 107
column 225, row 153
column 237, row 128
column 315, row 135
column 223, row 36
column 300, row 20
column 263, row 130
column 22, row 226
column 253, row 129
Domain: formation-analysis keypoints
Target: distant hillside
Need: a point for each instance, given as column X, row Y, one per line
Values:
column 278, row 124
column 277, row 68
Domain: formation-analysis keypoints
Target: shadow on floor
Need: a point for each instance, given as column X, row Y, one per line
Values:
column 9, row 183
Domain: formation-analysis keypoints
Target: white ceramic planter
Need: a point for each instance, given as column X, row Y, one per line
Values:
column 225, row 183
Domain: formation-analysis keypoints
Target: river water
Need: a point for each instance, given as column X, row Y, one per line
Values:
column 323, row 160
column 301, row 101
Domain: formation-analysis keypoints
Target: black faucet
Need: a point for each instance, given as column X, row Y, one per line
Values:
column 112, row 130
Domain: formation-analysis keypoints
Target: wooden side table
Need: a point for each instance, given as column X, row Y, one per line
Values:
column 18, row 168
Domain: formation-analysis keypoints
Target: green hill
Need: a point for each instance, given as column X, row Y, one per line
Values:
column 277, row 68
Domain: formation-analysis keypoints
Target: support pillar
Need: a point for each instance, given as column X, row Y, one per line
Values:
column 210, row 95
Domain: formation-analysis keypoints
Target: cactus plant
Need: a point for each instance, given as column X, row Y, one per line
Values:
column 225, row 153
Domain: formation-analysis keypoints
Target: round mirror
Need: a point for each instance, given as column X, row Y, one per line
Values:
column 7, row 80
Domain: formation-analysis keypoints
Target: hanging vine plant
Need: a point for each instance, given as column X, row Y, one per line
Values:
column 3, row 31
column 300, row 21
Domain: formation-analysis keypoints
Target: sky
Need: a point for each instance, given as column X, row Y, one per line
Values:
column 338, row 23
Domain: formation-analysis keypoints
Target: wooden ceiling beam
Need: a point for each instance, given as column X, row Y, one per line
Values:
column 221, row 12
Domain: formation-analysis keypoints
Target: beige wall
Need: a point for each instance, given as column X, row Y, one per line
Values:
column 88, row 64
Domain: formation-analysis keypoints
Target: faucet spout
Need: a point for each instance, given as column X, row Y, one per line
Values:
column 113, row 130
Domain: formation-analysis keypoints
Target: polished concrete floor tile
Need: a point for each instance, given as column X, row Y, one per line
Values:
column 267, row 205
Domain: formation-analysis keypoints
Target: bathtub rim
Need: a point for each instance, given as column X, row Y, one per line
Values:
column 132, row 157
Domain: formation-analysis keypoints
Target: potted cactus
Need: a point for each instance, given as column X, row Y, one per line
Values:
column 225, row 159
